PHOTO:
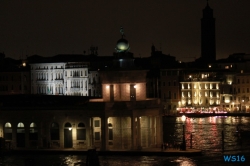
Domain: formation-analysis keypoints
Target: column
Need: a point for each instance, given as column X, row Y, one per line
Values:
column 133, row 132
column 159, row 135
column 138, row 132
column 104, row 132
column 91, row 138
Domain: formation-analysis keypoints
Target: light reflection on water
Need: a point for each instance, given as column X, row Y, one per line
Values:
column 206, row 136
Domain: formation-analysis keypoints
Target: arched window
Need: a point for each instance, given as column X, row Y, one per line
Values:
column 33, row 135
column 54, row 131
column 67, row 125
column 20, row 125
column 20, row 135
column 81, row 131
column 7, row 131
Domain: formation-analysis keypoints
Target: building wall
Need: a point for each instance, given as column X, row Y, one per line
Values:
column 129, row 132
column 12, row 83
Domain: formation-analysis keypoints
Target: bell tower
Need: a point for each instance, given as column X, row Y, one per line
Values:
column 208, row 48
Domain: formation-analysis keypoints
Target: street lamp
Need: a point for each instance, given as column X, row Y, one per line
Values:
column 242, row 105
column 183, row 118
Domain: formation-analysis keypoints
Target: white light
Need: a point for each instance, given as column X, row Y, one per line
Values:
column 70, row 128
column 24, row 64
column 107, row 86
column 183, row 118
column 135, row 86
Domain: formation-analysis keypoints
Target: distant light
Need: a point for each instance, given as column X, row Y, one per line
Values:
column 134, row 86
column 179, row 61
column 24, row 64
column 107, row 86
column 209, row 66
column 70, row 128
column 183, row 118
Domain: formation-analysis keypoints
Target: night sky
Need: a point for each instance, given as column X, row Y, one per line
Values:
column 50, row 27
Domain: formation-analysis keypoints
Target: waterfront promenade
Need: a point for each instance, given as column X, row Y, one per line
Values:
column 143, row 152
column 208, row 114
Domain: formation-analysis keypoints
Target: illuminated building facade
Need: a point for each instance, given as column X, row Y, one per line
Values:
column 65, row 78
column 200, row 91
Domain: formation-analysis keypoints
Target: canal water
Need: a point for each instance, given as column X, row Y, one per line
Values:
column 206, row 135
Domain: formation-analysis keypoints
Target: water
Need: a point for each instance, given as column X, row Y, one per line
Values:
column 206, row 136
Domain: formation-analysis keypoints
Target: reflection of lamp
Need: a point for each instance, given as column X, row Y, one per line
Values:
column 183, row 118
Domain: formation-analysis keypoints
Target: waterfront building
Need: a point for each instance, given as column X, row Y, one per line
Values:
column 241, row 92
column 14, row 76
column 200, row 91
column 124, row 118
column 59, row 78
column 170, row 89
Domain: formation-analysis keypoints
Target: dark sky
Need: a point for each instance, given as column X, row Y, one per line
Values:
column 50, row 27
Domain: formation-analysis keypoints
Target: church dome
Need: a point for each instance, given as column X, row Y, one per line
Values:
column 122, row 45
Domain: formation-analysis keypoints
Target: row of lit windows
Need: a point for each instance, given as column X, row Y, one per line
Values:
column 200, row 86
column 200, row 94
column 200, row 102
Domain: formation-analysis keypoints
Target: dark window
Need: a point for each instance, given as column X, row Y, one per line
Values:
column 163, row 84
column 247, row 90
column 8, row 133
column 97, row 123
column 163, row 73
column 169, row 83
column 174, row 83
column 110, row 134
column 174, row 73
column 174, row 95
column 81, row 134
column 54, row 131
column 238, row 90
column 97, row 135
column 81, row 125
column 33, row 134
